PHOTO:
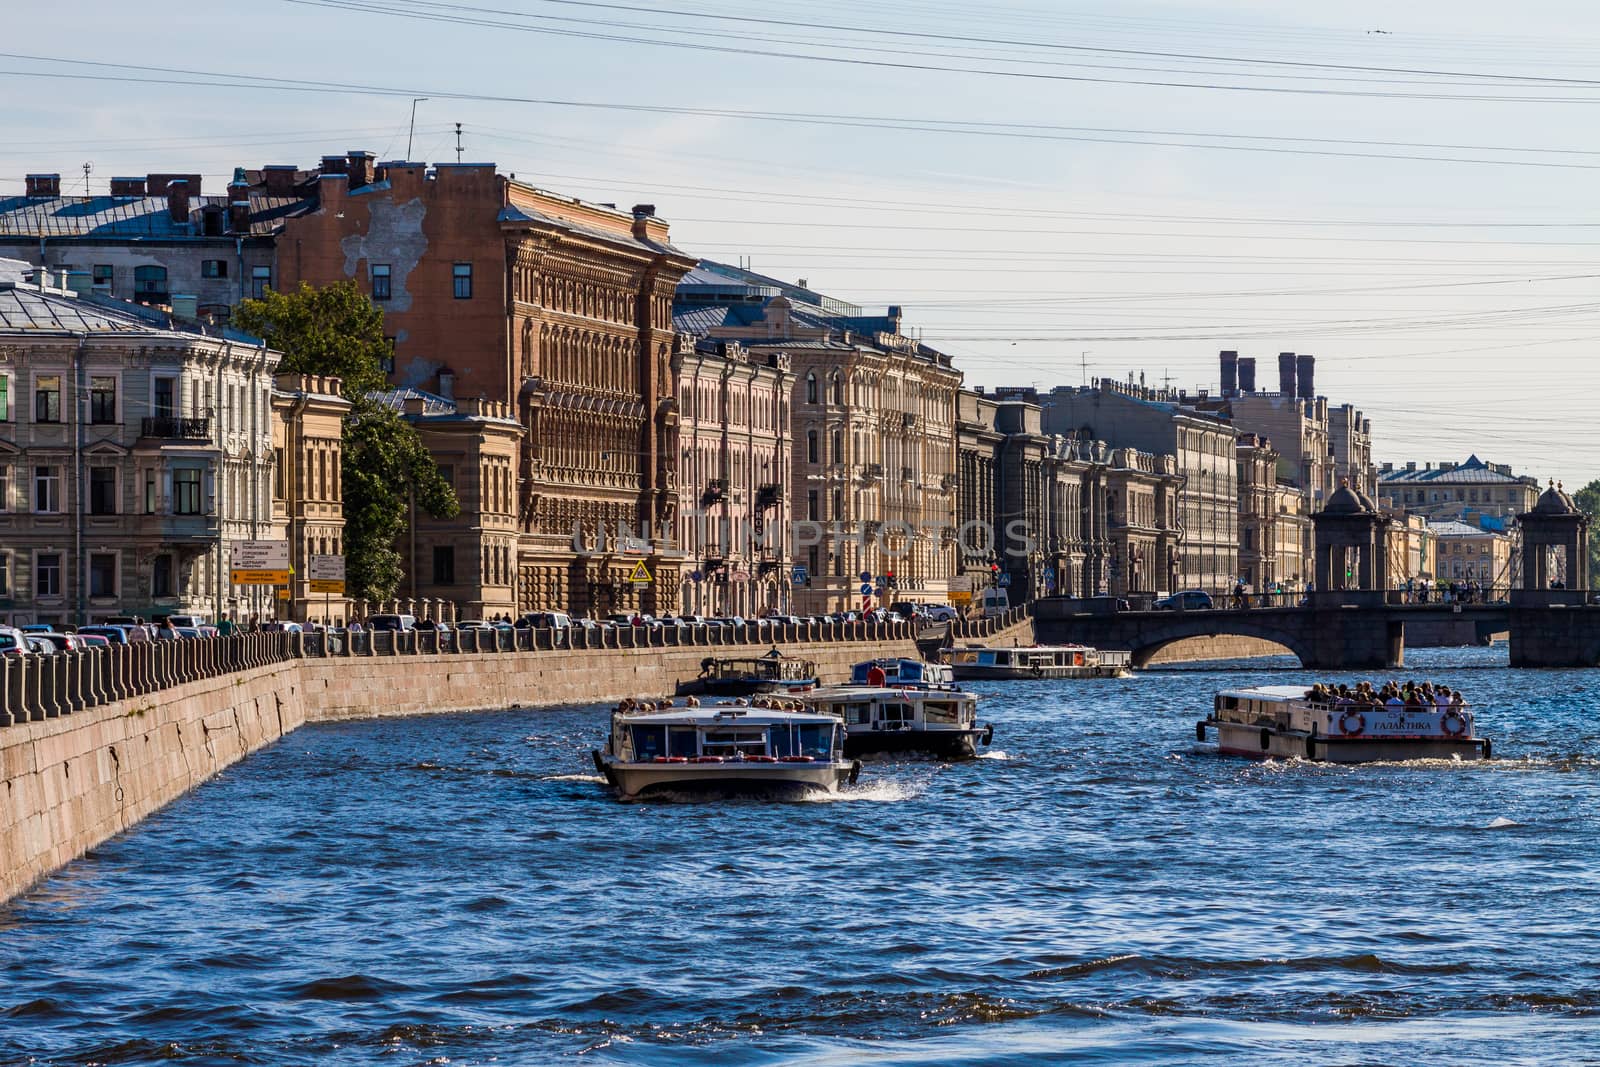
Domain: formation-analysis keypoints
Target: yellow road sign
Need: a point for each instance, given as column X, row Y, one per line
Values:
column 241, row 576
column 283, row 594
column 328, row 585
column 641, row 573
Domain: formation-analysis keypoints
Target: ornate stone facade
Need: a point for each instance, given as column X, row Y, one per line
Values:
column 734, row 490
column 132, row 455
column 307, row 486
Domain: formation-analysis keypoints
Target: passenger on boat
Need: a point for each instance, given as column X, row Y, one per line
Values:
column 692, row 702
column 876, row 676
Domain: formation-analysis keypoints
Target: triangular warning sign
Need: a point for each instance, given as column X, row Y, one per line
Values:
column 641, row 573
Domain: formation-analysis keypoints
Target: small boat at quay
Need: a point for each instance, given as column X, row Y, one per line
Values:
column 752, row 675
column 723, row 748
column 1286, row 722
column 902, row 674
column 973, row 663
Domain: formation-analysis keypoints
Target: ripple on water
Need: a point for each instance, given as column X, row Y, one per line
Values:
column 459, row 888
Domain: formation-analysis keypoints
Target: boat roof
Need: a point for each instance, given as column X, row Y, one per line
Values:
column 881, row 692
column 974, row 646
column 1269, row 692
column 728, row 715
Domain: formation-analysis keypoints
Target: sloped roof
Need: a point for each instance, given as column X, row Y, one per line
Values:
column 25, row 307
column 518, row 213
column 132, row 217
column 1473, row 472
column 1453, row 528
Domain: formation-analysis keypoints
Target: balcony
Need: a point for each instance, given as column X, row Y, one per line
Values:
column 769, row 496
column 176, row 429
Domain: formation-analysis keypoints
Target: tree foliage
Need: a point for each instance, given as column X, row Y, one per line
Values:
column 336, row 331
column 1588, row 501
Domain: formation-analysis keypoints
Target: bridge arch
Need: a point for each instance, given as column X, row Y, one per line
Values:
column 1146, row 651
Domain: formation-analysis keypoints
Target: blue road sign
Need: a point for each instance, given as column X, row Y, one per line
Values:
column 866, row 576
column 695, row 576
column 1004, row 579
column 866, row 590
column 798, row 575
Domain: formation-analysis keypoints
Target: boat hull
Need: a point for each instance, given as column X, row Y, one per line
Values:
column 1265, row 742
column 945, row 744
column 989, row 674
column 634, row 781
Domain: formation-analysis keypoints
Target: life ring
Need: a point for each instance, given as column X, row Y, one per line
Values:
column 706, row 759
column 1453, row 723
column 762, row 759
column 1352, row 724
column 798, row 759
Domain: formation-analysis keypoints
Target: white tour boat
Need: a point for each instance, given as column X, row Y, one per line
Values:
column 1284, row 722
column 904, row 705
column 724, row 748
column 980, row 662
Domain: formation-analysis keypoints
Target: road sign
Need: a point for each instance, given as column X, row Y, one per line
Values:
column 695, row 576
column 798, row 575
column 260, row 563
column 641, row 573
column 283, row 593
column 960, row 596
column 1004, row 579
column 866, row 576
column 327, row 586
column 866, row 590
column 325, row 568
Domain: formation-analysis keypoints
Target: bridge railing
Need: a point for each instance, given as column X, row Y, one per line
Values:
column 38, row 687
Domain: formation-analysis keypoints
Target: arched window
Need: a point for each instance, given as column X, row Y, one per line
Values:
column 838, row 446
column 811, row 447
column 811, row 390
column 836, row 389
column 150, row 284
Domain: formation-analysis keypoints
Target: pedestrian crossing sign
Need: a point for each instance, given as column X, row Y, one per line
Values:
column 641, row 573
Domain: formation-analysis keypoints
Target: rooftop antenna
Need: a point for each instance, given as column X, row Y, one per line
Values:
column 1166, row 379
column 1083, row 360
column 458, row 142
column 88, row 166
column 415, row 100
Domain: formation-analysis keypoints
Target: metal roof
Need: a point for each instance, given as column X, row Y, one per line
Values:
column 511, row 213
column 1473, row 472
column 125, row 217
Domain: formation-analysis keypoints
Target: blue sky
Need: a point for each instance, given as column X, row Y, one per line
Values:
column 1442, row 295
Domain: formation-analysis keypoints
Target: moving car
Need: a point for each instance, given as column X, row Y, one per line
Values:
column 1186, row 600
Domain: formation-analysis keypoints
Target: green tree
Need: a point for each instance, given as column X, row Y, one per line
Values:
column 336, row 331
column 1588, row 501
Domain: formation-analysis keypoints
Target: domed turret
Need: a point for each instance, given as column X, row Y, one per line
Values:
column 1555, row 501
column 1344, row 501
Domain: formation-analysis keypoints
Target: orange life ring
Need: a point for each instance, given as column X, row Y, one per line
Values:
column 706, row 759
column 1460, row 727
column 762, row 759
column 799, row 759
column 1358, row 729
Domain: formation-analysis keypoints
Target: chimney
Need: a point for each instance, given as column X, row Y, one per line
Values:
column 641, row 217
column 1286, row 373
column 1247, row 374
column 177, row 190
column 447, row 383
column 44, row 185
column 335, row 165
column 359, row 167
column 1230, row 374
column 278, row 178
column 239, row 215
column 895, row 313
column 1306, row 370
column 78, row 281
column 156, row 184
column 127, row 186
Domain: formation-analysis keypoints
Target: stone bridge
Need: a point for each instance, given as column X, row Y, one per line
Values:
column 1546, row 631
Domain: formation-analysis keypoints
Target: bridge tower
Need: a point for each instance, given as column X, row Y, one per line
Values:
column 1555, row 523
column 1352, row 558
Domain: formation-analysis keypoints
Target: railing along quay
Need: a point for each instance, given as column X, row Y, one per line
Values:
column 38, row 687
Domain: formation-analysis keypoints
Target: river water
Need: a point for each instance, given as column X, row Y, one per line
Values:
column 1100, row 889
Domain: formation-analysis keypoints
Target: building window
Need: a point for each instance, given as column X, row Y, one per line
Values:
column 150, row 493
column 388, row 357
column 102, row 398
column 46, row 490
column 103, row 575
column 812, row 454
column 260, row 281
column 811, row 388
column 279, row 476
column 380, row 281
column 186, row 491
column 838, row 446
column 5, row 488
column 447, row 474
column 150, row 284
column 213, row 268
column 461, row 275
column 47, row 398
column 5, row 398
column 165, row 403
column 101, row 276
column 47, row 574
column 102, row 490
column 161, row 577
column 811, row 505
column 5, row 574
column 444, row 565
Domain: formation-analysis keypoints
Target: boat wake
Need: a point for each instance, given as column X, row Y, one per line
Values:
column 998, row 754
column 880, row 792
column 573, row 778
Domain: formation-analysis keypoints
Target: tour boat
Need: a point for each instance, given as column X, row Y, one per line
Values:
column 980, row 662
column 913, row 709
column 771, row 673
column 724, row 748
column 1283, row 722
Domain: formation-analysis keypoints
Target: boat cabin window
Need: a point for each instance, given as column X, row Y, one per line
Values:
column 649, row 742
column 939, row 711
column 816, row 740
column 683, row 741
column 782, row 738
column 858, row 714
column 746, row 742
column 895, row 713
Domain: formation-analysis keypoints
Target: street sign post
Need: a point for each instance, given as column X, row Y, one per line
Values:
column 326, row 575
column 641, row 573
column 259, row 563
column 798, row 575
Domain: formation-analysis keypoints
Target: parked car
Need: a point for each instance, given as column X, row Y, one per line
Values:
column 939, row 612
column 192, row 633
column 61, row 642
column 38, row 645
column 785, row 620
column 116, row 635
column 1104, row 603
column 276, row 627
column 472, row 624
column 545, row 620
column 38, row 628
column 194, row 622
column 1185, row 600
column 92, row 640
column 13, row 642
column 392, row 622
